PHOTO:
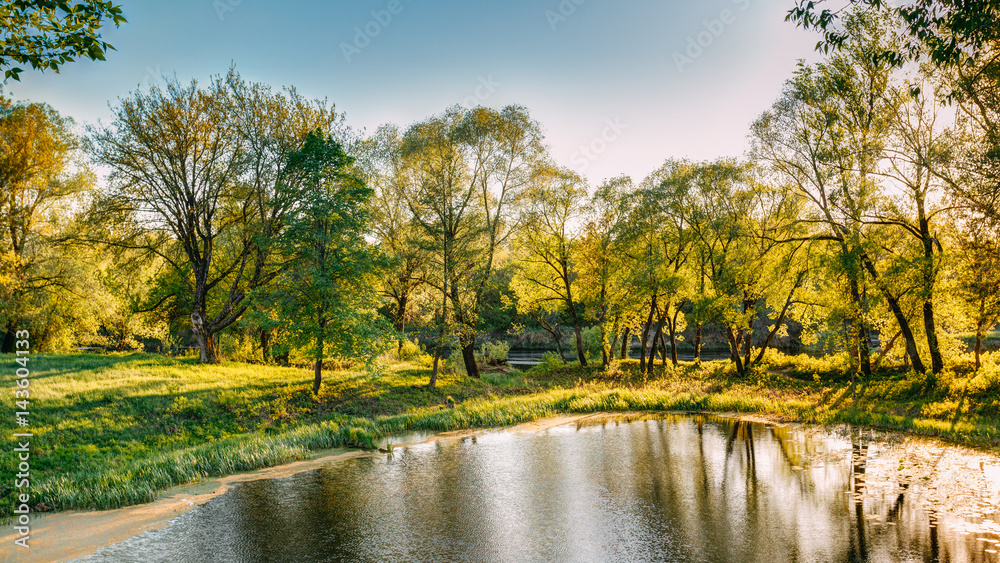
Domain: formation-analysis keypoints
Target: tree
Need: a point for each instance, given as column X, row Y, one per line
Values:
column 755, row 259
column 547, row 279
column 194, row 179
column 978, row 266
column 48, row 34
column 462, row 171
column 826, row 136
column 918, row 148
column 325, row 299
column 603, row 265
column 39, row 172
column 393, row 223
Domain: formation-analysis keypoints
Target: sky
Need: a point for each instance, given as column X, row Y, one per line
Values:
column 618, row 87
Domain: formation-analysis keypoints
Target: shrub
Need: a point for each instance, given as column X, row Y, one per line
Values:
column 411, row 351
column 592, row 342
column 493, row 353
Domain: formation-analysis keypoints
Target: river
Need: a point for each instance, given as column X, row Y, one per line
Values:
column 662, row 488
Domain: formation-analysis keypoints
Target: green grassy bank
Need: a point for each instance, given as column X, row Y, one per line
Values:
column 113, row 430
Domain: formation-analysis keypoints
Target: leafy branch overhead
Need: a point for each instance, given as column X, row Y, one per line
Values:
column 949, row 32
column 46, row 34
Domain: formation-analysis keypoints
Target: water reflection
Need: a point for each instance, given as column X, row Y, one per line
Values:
column 650, row 489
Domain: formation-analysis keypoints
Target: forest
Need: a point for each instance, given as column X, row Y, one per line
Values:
column 236, row 221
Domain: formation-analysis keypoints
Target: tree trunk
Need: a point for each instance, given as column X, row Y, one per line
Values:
column 644, row 343
column 864, row 343
column 602, row 322
column 748, row 337
column 580, row 354
column 979, row 345
column 885, row 350
column 206, row 340
column 734, row 349
column 434, row 369
column 469, row 358
column 697, row 343
column 657, row 336
column 937, row 362
column 626, row 342
column 265, row 345
column 673, row 338
column 318, row 379
column 9, row 338
column 861, row 354
column 608, row 348
column 904, row 324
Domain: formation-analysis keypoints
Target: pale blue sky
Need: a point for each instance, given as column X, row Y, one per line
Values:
column 586, row 69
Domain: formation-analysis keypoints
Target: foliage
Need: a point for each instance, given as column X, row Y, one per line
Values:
column 199, row 178
column 949, row 31
column 42, row 179
column 493, row 353
column 48, row 34
column 324, row 298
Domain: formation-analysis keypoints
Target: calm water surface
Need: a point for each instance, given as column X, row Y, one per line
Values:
column 665, row 489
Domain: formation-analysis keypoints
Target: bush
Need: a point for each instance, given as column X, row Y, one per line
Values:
column 454, row 363
column 235, row 348
column 493, row 353
column 411, row 351
column 592, row 342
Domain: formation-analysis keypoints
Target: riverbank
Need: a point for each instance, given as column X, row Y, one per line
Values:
column 113, row 431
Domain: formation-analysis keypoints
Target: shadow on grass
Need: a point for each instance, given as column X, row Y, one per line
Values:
column 49, row 365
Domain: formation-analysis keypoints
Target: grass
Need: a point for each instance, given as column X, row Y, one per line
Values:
column 114, row 430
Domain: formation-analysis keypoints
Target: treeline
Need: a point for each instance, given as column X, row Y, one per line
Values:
column 867, row 205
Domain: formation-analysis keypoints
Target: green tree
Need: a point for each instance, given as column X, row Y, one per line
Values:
column 603, row 266
column 547, row 278
column 325, row 299
column 462, row 172
column 949, row 32
column 755, row 260
column 393, row 223
column 194, row 179
column 48, row 34
column 826, row 137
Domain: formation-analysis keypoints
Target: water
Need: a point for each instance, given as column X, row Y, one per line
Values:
column 523, row 358
column 663, row 489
